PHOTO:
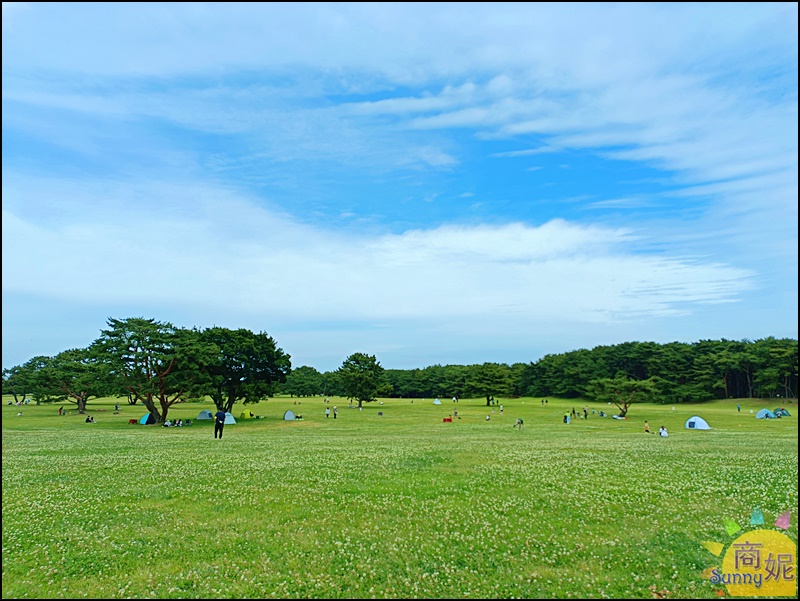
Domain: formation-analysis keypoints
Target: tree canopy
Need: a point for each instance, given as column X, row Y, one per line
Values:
column 156, row 363
column 622, row 392
column 75, row 376
column 241, row 365
column 361, row 377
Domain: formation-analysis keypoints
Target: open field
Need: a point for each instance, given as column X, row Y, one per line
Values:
column 392, row 505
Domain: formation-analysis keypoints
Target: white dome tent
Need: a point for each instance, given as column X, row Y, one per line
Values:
column 697, row 423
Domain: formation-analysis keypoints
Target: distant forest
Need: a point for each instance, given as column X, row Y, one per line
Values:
column 671, row 373
column 159, row 365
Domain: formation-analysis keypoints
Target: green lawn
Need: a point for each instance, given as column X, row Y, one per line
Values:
column 392, row 505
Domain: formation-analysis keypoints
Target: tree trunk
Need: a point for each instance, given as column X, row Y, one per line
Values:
column 787, row 391
column 150, row 405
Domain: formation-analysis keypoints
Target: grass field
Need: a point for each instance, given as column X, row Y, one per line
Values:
column 387, row 506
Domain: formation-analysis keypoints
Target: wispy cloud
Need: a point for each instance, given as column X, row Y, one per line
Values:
column 229, row 251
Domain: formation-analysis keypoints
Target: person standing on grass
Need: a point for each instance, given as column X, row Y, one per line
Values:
column 219, row 423
column 335, row 411
column 327, row 412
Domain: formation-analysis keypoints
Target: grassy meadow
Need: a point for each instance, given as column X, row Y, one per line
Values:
column 399, row 505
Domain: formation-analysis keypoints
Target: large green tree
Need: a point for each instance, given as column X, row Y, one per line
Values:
column 489, row 379
column 19, row 381
column 154, row 362
column 75, row 376
column 242, row 365
column 623, row 392
column 361, row 378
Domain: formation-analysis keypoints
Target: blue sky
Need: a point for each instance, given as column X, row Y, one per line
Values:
column 425, row 182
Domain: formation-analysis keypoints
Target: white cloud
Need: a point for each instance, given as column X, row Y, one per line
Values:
column 230, row 254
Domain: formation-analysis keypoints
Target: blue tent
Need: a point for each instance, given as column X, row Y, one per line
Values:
column 781, row 412
column 147, row 419
column 289, row 415
column 765, row 414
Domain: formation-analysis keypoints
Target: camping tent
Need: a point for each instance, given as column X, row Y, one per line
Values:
column 148, row 418
column 437, row 402
column 229, row 418
column 289, row 415
column 205, row 414
column 765, row 414
column 697, row 423
column 781, row 412
column 246, row 414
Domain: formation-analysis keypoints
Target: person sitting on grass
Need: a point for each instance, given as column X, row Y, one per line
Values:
column 90, row 420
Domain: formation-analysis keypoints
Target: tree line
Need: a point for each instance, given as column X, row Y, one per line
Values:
column 158, row 365
column 621, row 374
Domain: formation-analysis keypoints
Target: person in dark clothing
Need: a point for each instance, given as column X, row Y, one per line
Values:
column 219, row 423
